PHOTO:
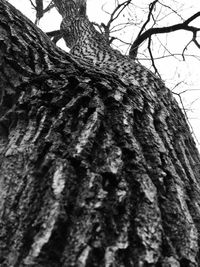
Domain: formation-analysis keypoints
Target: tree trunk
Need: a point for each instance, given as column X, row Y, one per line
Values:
column 93, row 172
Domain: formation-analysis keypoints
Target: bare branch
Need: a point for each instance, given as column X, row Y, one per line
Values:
column 55, row 35
column 113, row 16
column 172, row 28
column 32, row 3
column 152, row 58
column 119, row 9
column 39, row 10
column 185, row 48
column 49, row 7
column 151, row 7
column 120, row 40
column 195, row 40
column 172, row 10
column 170, row 55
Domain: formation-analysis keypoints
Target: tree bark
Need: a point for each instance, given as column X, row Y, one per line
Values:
column 93, row 172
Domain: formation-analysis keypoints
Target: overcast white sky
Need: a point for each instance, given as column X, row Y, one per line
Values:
column 173, row 71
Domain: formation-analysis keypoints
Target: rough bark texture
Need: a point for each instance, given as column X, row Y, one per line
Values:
column 92, row 172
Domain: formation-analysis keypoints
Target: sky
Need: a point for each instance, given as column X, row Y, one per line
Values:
column 173, row 70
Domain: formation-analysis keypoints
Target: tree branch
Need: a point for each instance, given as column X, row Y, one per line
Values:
column 113, row 16
column 151, row 7
column 55, row 35
column 40, row 10
column 152, row 57
column 180, row 26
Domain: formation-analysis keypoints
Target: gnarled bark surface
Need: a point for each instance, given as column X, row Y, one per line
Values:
column 93, row 172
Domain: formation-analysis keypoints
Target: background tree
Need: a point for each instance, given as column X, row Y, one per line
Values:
column 93, row 172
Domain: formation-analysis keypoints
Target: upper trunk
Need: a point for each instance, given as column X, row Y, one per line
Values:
column 93, row 171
